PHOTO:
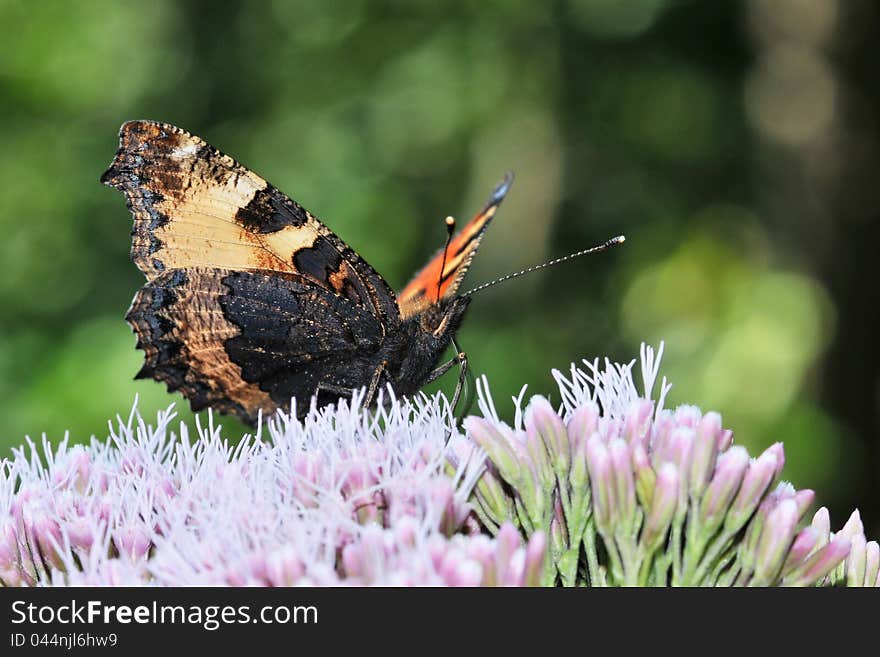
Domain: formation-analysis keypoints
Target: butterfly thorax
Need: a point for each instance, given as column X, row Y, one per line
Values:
column 417, row 348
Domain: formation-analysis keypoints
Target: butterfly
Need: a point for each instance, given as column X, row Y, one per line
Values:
column 251, row 300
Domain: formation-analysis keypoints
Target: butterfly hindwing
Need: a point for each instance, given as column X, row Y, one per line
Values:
column 193, row 206
column 247, row 341
column 422, row 290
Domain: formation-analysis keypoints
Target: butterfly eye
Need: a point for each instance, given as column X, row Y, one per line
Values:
column 431, row 319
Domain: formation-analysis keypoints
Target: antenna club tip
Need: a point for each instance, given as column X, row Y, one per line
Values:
column 620, row 239
column 450, row 221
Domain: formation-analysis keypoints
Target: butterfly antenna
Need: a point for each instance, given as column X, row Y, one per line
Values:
column 450, row 228
column 614, row 241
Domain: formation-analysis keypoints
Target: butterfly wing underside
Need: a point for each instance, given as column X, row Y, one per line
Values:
column 193, row 206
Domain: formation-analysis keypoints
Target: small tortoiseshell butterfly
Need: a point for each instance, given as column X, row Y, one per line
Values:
column 250, row 300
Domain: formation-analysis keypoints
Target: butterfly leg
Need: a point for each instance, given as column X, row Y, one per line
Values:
column 461, row 360
column 462, row 379
column 346, row 393
column 374, row 385
column 340, row 391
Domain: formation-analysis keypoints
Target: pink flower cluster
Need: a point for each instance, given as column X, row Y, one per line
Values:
column 610, row 488
column 633, row 494
column 344, row 498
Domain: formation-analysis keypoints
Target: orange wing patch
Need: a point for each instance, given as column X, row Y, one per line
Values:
column 422, row 290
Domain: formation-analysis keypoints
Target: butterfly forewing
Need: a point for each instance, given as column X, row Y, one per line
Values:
column 193, row 206
column 441, row 279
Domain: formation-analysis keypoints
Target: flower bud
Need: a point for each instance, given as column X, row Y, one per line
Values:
column 662, row 508
column 578, row 476
column 601, row 482
column 727, row 478
column 853, row 525
column 582, row 424
column 541, row 418
column 645, row 476
column 755, row 483
column 705, row 452
column 776, row 538
column 624, row 486
column 539, row 457
column 637, row 422
column 872, row 563
column 820, row 563
column 822, row 524
column 496, row 445
column 856, row 562
column 804, row 544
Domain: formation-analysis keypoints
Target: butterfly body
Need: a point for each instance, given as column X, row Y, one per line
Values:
column 251, row 301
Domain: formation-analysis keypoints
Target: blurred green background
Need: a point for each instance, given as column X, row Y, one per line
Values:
column 734, row 143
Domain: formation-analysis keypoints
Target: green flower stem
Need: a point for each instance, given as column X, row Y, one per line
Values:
column 662, row 563
column 653, row 566
column 723, row 562
column 631, row 558
column 676, row 549
column 721, row 542
column 694, row 544
column 597, row 577
column 727, row 578
column 616, row 565
column 629, row 549
column 558, row 547
column 567, row 566
column 486, row 521
column 495, row 506
column 523, row 516
column 549, row 572
column 646, row 564
column 578, row 516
